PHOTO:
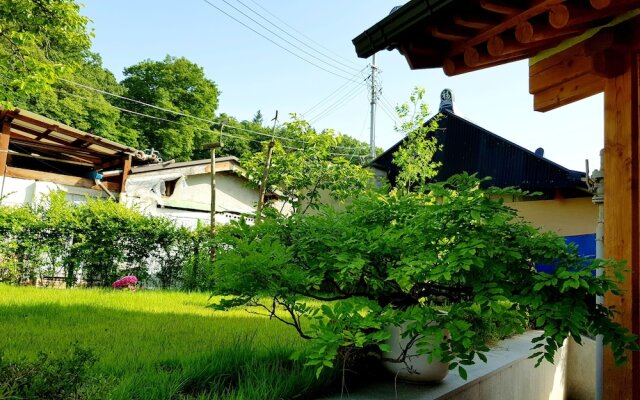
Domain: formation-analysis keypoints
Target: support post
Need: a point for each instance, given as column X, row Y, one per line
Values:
column 622, row 216
column 126, row 170
column 265, row 171
column 212, row 223
column 4, row 145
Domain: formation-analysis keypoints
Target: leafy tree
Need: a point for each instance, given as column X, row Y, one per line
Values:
column 82, row 108
column 399, row 257
column 179, row 85
column 305, row 168
column 39, row 42
column 415, row 156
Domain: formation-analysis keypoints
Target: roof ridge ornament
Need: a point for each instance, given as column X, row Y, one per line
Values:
column 446, row 100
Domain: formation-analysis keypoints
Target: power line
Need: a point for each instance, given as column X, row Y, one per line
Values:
column 302, row 34
column 294, row 37
column 219, row 124
column 338, row 90
column 274, row 42
column 345, row 99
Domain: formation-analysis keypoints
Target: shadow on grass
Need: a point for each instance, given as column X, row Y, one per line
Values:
column 150, row 355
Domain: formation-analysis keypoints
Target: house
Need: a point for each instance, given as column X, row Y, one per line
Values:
column 39, row 155
column 182, row 191
column 564, row 205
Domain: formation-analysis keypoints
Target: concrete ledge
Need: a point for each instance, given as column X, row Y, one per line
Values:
column 508, row 374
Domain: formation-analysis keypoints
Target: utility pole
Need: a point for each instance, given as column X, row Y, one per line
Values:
column 372, row 125
column 213, row 147
column 265, row 172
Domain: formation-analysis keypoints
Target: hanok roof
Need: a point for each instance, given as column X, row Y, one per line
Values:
column 470, row 148
column 466, row 35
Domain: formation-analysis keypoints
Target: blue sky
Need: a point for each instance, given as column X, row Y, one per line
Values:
column 255, row 74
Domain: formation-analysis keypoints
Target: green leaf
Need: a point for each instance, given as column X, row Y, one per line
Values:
column 462, row 372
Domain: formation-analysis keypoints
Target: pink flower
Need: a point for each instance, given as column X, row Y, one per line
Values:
column 125, row 282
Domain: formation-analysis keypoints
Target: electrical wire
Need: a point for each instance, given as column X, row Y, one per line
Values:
column 339, row 89
column 302, row 34
column 294, row 37
column 220, row 124
column 274, row 42
column 173, row 112
column 345, row 99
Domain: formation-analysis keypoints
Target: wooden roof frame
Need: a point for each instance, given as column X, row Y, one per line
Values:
column 29, row 135
column 577, row 48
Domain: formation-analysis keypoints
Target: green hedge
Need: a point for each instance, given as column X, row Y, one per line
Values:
column 96, row 242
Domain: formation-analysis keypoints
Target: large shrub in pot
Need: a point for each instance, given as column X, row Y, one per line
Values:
column 341, row 276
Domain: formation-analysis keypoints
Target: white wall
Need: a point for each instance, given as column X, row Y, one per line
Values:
column 24, row 191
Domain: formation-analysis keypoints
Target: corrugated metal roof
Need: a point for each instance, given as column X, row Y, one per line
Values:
column 473, row 149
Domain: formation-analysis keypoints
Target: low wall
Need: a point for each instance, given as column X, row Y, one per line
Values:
column 508, row 374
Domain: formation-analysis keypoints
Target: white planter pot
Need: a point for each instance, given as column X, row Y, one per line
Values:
column 415, row 368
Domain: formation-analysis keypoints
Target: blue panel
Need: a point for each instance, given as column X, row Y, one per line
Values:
column 586, row 248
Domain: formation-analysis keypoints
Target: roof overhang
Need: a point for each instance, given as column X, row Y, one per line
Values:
column 466, row 35
column 33, row 135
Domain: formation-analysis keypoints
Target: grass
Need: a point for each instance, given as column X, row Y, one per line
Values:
column 156, row 344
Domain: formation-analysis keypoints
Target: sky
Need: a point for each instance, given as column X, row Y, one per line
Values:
column 253, row 73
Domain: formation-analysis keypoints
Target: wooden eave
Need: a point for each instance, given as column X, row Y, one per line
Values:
column 466, row 35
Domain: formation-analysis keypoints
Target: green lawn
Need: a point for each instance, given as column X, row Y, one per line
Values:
column 156, row 344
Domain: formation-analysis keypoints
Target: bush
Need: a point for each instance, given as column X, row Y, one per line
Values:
column 340, row 277
column 96, row 242
column 46, row 378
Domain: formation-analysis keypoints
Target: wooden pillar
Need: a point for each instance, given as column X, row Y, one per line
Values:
column 622, row 216
column 4, row 145
column 126, row 170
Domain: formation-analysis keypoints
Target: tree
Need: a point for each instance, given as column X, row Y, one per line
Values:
column 179, row 85
column 305, row 166
column 415, row 155
column 82, row 108
column 39, row 42
column 400, row 257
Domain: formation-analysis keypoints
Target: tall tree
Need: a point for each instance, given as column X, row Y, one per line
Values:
column 179, row 85
column 39, row 41
column 82, row 108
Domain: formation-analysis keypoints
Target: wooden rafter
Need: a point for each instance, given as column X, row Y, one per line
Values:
column 84, row 137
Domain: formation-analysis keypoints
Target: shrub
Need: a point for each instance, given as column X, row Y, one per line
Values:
column 46, row 378
column 399, row 257
column 96, row 241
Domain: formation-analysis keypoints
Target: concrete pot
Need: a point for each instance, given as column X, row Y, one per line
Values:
column 416, row 368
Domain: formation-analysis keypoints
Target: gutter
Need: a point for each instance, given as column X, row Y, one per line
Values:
column 385, row 33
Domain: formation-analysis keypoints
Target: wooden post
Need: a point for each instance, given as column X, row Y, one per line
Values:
column 126, row 170
column 622, row 216
column 263, row 181
column 265, row 172
column 212, row 223
column 4, row 145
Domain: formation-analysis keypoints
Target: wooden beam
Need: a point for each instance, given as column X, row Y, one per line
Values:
column 539, row 7
column 450, row 34
column 528, row 32
column 5, row 136
column 567, row 92
column 499, row 7
column 622, row 216
column 585, row 58
column 68, row 180
column 475, row 21
column 126, row 170
column 456, row 65
column 559, row 16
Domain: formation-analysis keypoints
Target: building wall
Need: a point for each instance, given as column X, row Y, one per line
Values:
column 566, row 217
column 14, row 191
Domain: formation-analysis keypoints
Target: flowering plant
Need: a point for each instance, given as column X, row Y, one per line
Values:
column 128, row 281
